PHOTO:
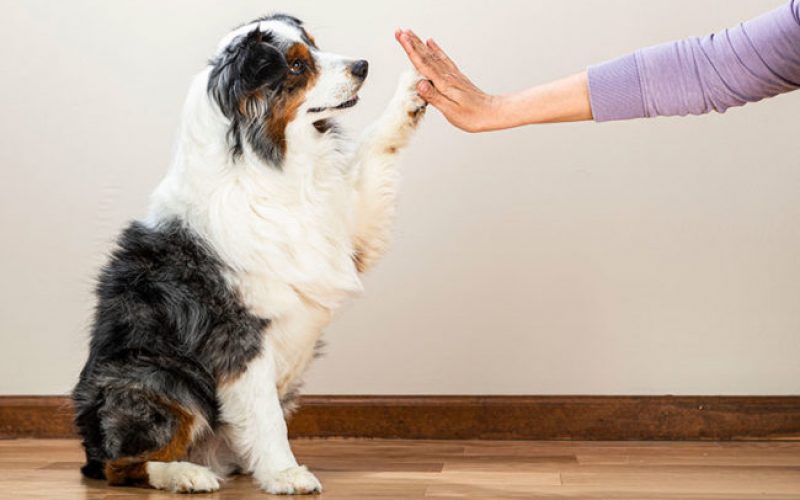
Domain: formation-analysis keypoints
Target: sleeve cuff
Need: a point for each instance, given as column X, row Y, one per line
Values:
column 615, row 90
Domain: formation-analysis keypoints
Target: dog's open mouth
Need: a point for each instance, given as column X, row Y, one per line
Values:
column 346, row 104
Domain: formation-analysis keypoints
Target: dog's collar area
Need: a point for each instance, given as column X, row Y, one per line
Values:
column 347, row 104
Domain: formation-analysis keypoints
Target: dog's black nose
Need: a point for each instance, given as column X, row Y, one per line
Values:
column 359, row 69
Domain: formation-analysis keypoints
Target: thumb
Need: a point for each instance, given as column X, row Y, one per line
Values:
column 428, row 92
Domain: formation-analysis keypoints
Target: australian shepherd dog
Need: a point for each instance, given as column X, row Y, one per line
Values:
column 210, row 308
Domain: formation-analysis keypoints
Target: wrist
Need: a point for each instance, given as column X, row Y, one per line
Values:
column 496, row 114
column 512, row 110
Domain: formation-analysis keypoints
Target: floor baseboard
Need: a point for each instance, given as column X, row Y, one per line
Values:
column 611, row 418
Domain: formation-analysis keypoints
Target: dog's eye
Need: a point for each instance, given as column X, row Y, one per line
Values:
column 297, row 67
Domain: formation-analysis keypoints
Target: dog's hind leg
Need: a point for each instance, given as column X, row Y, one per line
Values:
column 375, row 178
column 147, row 442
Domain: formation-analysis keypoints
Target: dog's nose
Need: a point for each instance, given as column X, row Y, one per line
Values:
column 359, row 69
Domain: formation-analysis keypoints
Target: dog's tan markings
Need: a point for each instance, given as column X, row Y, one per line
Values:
column 358, row 260
column 391, row 150
column 417, row 114
column 132, row 471
column 293, row 94
column 123, row 473
column 299, row 51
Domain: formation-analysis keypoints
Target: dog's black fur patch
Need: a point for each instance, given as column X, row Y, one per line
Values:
column 249, row 64
column 167, row 329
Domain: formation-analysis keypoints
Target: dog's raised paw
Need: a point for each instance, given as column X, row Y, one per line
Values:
column 292, row 481
column 412, row 103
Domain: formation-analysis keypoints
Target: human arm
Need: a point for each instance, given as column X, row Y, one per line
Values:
column 756, row 59
column 470, row 109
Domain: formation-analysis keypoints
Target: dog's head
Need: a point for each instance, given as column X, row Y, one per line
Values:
column 269, row 74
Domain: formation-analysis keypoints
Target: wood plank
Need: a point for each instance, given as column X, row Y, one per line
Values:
column 357, row 468
column 490, row 417
column 753, row 482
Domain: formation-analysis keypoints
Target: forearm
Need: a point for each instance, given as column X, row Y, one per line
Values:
column 749, row 62
column 757, row 59
column 375, row 182
column 250, row 406
column 469, row 108
column 565, row 100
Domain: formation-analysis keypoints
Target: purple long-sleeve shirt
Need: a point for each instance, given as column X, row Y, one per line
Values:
column 756, row 59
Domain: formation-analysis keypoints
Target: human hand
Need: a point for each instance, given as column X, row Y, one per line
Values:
column 448, row 89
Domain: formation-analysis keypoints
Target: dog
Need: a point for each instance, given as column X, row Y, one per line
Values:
column 210, row 309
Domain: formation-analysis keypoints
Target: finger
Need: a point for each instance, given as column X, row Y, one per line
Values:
column 424, row 59
column 440, row 54
column 419, row 55
column 408, row 45
column 440, row 101
column 413, row 44
column 423, row 49
column 415, row 39
column 435, row 58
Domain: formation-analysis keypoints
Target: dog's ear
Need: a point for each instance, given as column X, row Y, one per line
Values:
column 259, row 62
column 244, row 78
column 245, row 66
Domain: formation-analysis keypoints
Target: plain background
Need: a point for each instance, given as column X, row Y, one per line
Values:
column 648, row 257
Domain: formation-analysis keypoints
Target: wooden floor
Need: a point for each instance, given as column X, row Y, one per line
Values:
column 485, row 469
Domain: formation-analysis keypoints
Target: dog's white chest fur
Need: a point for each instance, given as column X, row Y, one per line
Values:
column 295, row 259
column 293, row 241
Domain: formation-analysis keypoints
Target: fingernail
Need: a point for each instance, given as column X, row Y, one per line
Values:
column 424, row 86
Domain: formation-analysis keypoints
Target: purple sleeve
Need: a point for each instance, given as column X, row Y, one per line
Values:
column 756, row 59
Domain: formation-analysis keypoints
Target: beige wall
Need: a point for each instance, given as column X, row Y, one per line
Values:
column 649, row 257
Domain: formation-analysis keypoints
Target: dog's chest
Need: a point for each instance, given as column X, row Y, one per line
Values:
column 298, row 255
column 298, row 281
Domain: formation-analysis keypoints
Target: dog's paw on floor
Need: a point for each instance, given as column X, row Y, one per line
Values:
column 182, row 477
column 293, row 481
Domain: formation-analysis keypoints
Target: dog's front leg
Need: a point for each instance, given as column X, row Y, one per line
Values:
column 251, row 407
column 375, row 173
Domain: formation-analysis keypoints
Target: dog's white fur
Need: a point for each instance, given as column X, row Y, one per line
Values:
column 181, row 477
column 289, row 237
